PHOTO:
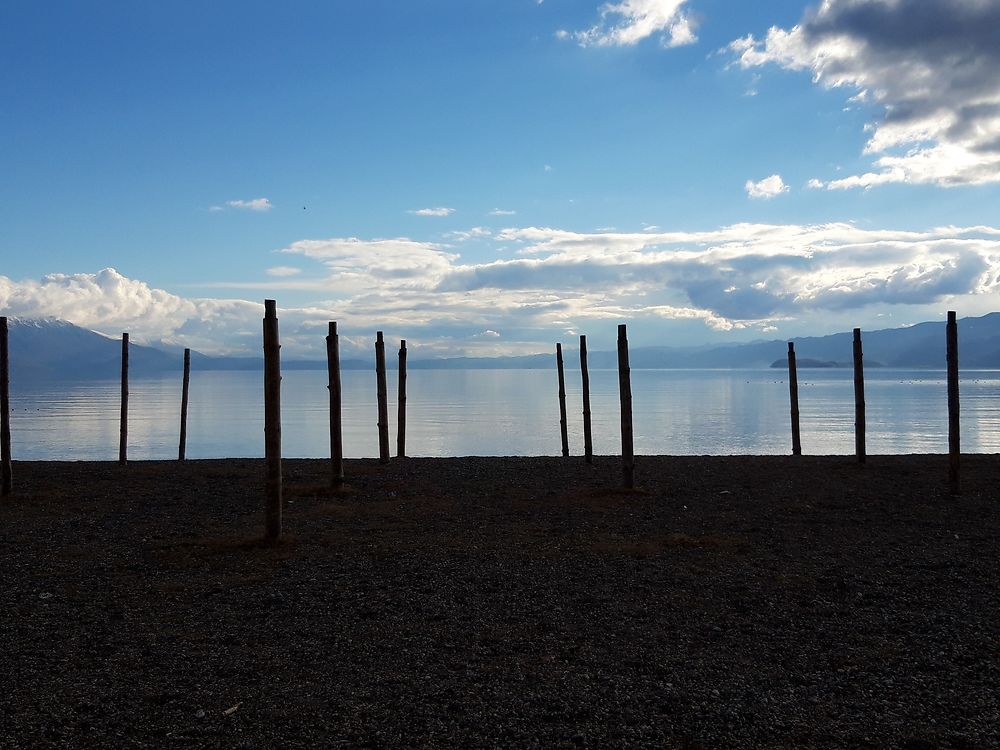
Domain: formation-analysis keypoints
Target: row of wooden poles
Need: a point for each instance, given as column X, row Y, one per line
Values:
column 272, row 410
column 951, row 356
column 272, row 406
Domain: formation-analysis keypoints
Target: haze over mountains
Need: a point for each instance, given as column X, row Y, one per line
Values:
column 56, row 349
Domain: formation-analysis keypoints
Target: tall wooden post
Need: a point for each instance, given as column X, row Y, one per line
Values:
column 272, row 423
column 859, row 399
column 401, row 403
column 625, row 396
column 588, row 442
column 793, row 394
column 336, row 425
column 383, row 399
column 185, row 386
column 6, row 470
column 563, row 429
column 954, row 445
column 123, row 421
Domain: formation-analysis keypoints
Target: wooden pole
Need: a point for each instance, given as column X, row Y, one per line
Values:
column 6, row 470
column 185, row 386
column 954, row 444
column 336, row 425
column 859, row 399
column 793, row 394
column 588, row 442
column 625, row 396
column 563, row 429
column 401, row 411
column 272, row 423
column 123, row 422
column 383, row 400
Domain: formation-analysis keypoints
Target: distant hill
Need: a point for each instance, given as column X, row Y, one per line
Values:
column 51, row 349
column 55, row 349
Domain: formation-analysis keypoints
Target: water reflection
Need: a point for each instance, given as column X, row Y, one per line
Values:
column 510, row 412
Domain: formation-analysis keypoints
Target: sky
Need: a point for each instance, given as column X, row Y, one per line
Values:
column 489, row 177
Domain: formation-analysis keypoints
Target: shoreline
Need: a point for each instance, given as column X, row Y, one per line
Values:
column 734, row 601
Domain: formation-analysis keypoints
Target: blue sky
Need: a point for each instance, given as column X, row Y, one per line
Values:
column 493, row 176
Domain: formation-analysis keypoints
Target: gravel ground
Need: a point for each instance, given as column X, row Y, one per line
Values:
column 728, row 602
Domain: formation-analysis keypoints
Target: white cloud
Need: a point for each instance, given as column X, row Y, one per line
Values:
column 930, row 67
column 442, row 211
column 357, row 265
column 767, row 188
column 470, row 234
column 257, row 204
column 630, row 21
column 488, row 334
column 502, row 212
column 282, row 271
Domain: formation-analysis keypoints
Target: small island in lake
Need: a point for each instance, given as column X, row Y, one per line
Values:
column 819, row 363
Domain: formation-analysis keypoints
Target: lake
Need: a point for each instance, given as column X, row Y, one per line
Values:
column 509, row 412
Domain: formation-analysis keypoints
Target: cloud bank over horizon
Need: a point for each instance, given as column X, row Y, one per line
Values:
column 549, row 283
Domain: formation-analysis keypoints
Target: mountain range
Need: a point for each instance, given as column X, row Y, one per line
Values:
column 56, row 349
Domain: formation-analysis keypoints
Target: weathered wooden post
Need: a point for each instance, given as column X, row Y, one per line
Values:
column 859, row 399
column 383, row 399
column 272, row 423
column 588, row 442
column 625, row 396
column 123, row 421
column 185, row 384
column 336, row 425
column 793, row 394
column 6, row 469
column 954, row 446
column 563, row 429
column 401, row 403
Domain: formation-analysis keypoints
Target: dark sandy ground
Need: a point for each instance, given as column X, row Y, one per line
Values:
column 489, row 602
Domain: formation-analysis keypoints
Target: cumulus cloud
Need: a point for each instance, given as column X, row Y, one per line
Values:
column 630, row 21
column 929, row 66
column 767, row 188
column 441, row 211
column 744, row 276
column 109, row 302
column 502, row 212
column 257, row 204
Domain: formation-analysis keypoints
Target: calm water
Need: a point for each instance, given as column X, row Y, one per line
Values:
column 510, row 412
